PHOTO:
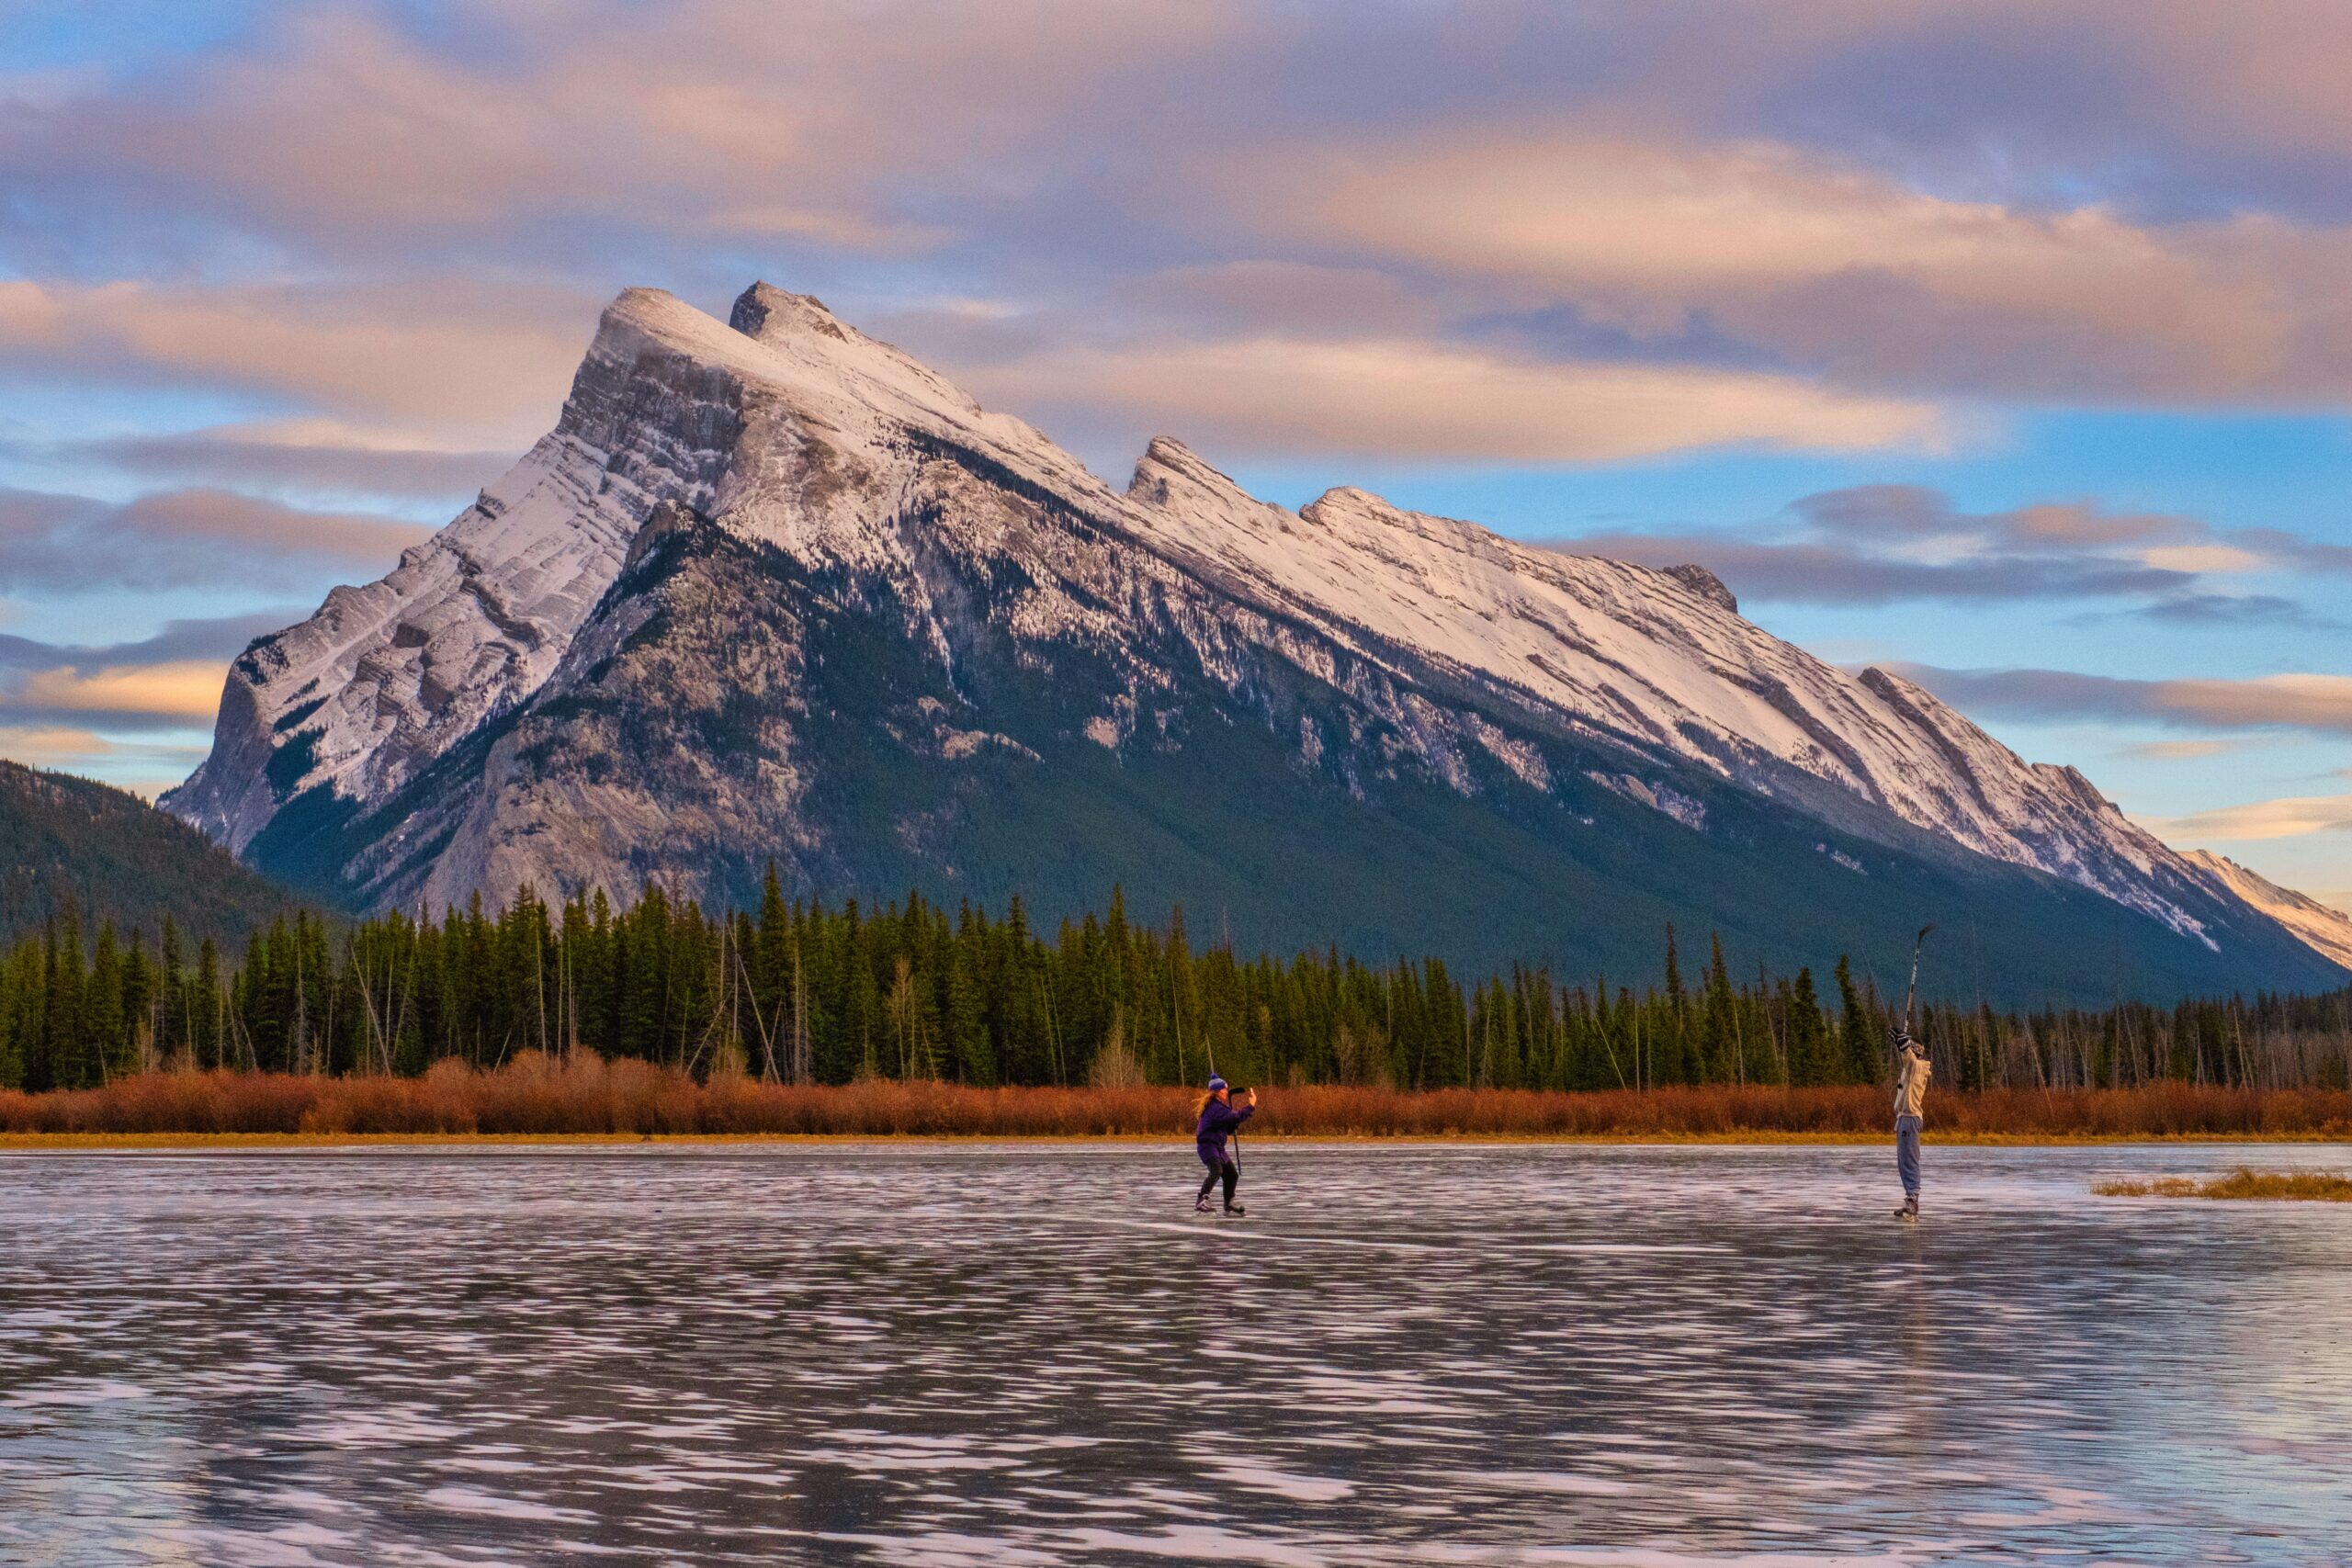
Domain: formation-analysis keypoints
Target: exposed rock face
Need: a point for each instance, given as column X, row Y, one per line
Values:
column 1705, row 584
column 388, row 677
column 772, row 589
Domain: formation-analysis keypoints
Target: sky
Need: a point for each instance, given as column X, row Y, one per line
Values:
column 2007, row 344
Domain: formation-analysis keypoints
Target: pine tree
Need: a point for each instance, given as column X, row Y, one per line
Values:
column 1720, row 1058
column 1810, row 1058
column 104, row 1035
column 206, row 1006
column 964, row 1025
column 59, row 1062
column 1857, row 1029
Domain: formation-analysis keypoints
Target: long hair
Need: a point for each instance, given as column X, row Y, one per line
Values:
column 1201, row 1106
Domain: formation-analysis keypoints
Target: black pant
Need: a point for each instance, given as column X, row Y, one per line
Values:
column 1230, row 1173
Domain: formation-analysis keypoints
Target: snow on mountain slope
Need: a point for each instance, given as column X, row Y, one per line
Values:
column 1659, row 661
column 2325, row 930
column 385, row 678
column 786, row 427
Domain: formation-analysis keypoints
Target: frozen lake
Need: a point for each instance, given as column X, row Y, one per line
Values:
column 1036, row 1355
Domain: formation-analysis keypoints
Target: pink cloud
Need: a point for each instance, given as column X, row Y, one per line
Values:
column 1415, row 399
column 2288, row 817
column 1728, row 191
column 466, row 362
column 2320, row 703
column 1852, row 271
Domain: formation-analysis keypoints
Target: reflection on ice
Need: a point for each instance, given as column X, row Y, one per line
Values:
column 1034, row 1356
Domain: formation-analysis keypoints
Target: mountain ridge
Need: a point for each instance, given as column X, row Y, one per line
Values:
column 874, row 497
column 2323, row 927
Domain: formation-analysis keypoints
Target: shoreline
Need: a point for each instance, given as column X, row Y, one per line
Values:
column 231, row 1143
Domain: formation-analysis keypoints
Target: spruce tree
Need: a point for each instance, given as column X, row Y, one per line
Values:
column 103, row 1032
column 1857, row 1029
column 1810, row 1060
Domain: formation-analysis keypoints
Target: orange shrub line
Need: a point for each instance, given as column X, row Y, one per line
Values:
column 537, row 1094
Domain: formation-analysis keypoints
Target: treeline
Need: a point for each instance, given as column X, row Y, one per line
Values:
column 799, row 993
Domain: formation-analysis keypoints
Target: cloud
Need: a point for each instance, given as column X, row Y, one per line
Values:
column 2179, row 751
column 1407, row 399
column 1897, row 205
column 2231, row 610
column 278, row 458
column 52, row 746
column 469, row 362
column 219, row 638
column 2288, row 818
column 2168, row 107
column 2322, row 703
column 2289, row 549
column 503, row 132
column 1913, row 514
column 145, row 765
column 1890, row 543
column 176, row 538
column 55, row 698
column 1814, row 572
column 188, row 690
column 1852, row 273
column 1883, row 544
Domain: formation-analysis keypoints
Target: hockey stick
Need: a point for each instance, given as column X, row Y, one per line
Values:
column 1912, row 995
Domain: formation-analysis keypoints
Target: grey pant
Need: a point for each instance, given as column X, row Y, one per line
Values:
column 1906, row 1153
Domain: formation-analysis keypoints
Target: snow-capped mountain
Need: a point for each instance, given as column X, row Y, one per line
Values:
column 773, row 590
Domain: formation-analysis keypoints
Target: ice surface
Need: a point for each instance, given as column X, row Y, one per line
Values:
column 1407, row 1354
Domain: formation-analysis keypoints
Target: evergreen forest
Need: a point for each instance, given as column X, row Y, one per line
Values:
column 799, row 992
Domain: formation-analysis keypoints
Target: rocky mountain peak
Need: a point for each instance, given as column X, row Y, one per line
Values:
column 763, row 311
column 1170, row 473
column 1342, row 502
column 1705, row 584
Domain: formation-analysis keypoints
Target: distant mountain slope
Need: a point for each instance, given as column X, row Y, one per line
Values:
column 118, row 858
column 2325, row 928
column 773, row 590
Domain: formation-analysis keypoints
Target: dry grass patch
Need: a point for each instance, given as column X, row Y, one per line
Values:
column 549, row 1097
column 2272, row 1186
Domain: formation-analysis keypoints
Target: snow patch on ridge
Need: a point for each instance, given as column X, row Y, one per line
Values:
column 1691, row 814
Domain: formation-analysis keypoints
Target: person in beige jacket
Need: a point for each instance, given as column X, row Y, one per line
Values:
column 1911, row 1070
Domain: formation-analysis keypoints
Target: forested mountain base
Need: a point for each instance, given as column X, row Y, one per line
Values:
column 796, row 994
column 69, row 844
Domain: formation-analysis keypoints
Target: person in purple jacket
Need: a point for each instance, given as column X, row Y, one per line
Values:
column 1220, row 1119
